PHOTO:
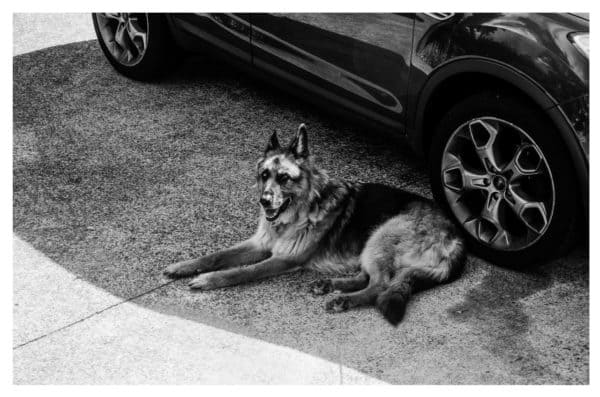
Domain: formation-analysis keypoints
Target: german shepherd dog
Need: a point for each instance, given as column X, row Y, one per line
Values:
column 401, row 242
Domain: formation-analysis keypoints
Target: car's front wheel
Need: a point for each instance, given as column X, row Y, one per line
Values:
column 499, row 169
column 136, row 44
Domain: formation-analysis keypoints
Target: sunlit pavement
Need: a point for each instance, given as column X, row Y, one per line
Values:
column 66, row 331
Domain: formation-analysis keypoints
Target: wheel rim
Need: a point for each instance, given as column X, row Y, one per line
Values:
column 498, row 183
column 125, row 36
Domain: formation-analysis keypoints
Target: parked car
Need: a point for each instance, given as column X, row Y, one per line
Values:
column 496, row 103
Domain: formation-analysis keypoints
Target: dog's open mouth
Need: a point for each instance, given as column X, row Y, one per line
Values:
column 272, row 213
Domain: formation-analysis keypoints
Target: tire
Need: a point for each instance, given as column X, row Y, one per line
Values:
column 529, row 208
column 157, row 53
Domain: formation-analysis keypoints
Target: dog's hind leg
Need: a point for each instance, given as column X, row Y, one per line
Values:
column 242, row 254
column 371, row 265
column 364, row 297
column 344, row 284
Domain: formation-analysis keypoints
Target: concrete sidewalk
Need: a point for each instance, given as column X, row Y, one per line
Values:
column 41, row 30
column 67, row 331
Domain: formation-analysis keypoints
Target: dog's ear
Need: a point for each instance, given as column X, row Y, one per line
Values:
column 273, row 142
column 299, row 146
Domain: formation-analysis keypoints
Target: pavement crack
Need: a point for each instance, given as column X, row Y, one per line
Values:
column 131, row 298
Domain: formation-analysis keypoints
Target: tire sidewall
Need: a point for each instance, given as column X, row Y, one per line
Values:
column 533, row 122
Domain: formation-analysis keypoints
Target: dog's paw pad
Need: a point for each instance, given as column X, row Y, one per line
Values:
column 337, row 305
column 320, row 287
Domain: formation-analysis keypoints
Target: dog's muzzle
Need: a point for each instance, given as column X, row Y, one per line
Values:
column 273, row 213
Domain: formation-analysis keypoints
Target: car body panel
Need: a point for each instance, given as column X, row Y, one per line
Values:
column 576, row 112
column 228, row 32
column 535, row 44
column 361, row 61
column 576, row 151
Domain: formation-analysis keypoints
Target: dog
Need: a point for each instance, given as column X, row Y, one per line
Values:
column 397, row 241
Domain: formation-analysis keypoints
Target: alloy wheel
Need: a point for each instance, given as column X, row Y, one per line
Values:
column 125, row 35
column 498, row 183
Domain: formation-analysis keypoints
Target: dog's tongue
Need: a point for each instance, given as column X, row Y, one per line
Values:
column 270, row 212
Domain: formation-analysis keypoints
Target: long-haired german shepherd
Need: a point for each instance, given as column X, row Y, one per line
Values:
column 400, row 241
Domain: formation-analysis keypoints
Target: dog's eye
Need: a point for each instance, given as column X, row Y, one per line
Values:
column 283, row 178
column 264, row 175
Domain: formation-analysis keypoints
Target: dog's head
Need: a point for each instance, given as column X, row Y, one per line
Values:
column 282, row 175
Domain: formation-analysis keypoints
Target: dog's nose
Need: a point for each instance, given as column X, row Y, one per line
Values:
column 265, row 202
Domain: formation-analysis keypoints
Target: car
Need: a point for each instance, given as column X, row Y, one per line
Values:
column 496, row 104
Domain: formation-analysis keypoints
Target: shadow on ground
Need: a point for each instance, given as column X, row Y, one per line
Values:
column 115, row 179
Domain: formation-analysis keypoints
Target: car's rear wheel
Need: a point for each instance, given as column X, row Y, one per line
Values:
column 497, row 166
column 136, row 44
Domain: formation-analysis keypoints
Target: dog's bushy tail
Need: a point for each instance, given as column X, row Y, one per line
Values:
column 392, row 302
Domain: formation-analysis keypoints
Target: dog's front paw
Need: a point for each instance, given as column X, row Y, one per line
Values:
column 320, row 287
column 181, row 269
column 338, row 304
column 172, row 271
column 204, row 282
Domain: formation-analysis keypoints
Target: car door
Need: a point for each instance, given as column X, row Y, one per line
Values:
column 230, row 33
column 360, row 61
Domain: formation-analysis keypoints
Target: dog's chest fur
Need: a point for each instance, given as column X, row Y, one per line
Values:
column 301, row 234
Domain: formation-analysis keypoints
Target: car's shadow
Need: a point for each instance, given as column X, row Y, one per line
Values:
column 114, row 179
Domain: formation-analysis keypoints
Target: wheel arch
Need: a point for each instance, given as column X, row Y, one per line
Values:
column 446, row 85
